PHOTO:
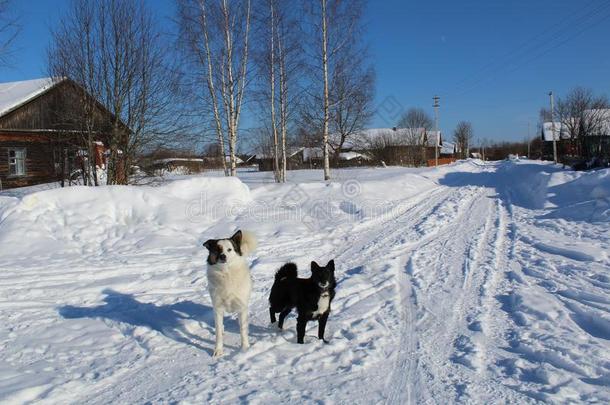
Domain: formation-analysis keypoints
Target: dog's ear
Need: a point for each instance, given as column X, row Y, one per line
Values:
column 237, row 237
column 331, row 265
column 315, row 266
column 209, row 244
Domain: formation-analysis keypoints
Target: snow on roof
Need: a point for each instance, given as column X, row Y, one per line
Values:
column 15, row 94
column 561, row 130
column 601, row 116
column 352, row 156
column 448, row 148
column 434, row 138
column 170, row 160
column 394, row 136
column 312, row 153
column 237, row 160
column 290, row 152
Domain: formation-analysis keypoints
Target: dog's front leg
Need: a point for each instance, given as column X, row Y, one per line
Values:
column 243, row 329
column 301, row 325
column 218, row 323
column 322, row 326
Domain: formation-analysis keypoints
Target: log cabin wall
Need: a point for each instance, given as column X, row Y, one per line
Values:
column 44, row 126
column 39, row 163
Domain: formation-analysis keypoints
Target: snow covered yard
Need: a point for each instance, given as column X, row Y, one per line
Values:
column 468, row 283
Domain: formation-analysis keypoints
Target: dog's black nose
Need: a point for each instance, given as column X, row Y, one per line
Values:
column 223, row 256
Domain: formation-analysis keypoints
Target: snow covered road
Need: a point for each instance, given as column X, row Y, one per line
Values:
column 468, row 283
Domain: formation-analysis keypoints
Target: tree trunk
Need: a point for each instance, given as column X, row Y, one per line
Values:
column 276, row 164
column 326, row 99
column 212, row 91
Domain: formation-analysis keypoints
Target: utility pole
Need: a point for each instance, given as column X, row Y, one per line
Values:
column 436, row 106
column 553, row 127
column 529, row 139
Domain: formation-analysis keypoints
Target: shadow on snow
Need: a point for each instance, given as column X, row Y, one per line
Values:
column 169, row 320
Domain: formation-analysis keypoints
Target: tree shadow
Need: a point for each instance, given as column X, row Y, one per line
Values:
column 169, row 320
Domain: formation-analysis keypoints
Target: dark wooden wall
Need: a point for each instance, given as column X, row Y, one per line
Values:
column 38, row 162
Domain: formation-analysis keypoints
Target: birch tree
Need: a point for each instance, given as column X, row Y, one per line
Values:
column 326, row 99
column 272, row 99
column 278, row 60
column 335, row 41
column 215, row 35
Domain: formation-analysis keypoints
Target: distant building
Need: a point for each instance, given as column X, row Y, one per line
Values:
column 391, row 146
column 398, row 146
column 595, row 143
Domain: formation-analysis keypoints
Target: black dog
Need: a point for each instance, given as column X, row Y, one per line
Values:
column 310, row 296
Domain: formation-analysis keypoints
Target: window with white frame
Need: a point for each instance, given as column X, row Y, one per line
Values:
column 16, row 161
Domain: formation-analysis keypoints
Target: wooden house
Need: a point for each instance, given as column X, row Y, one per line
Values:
column 396, row 146
column 42, row 131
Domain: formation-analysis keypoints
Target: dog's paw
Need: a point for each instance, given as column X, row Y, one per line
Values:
column 325, row 341
column 245, row 346
column 218, row 352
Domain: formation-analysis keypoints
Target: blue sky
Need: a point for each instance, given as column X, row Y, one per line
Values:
column 492, row 62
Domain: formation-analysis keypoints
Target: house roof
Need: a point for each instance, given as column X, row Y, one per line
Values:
column 238, row 160
column 600, row 117
column 353, row 155
column 290, row 152
column 395, row 136
column 561, row 131
column 312, row 153
column 433, row 140
column 448, row 148
column 16, row 94
column 178, row 159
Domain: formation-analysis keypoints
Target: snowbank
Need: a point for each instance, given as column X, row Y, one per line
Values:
column 580, row 195
column 116, row 219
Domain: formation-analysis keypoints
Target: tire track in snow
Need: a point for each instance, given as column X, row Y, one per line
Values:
column 455, row 275
column 403, row 375
column 388, row 239
column 450, row 348
column 402, row 381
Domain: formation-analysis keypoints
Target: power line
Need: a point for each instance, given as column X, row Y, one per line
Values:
column 520, row 48
column 525, row 53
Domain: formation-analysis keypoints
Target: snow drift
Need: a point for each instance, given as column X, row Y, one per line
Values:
column 81, row 220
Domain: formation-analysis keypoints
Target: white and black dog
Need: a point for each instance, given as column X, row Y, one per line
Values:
column 310, row 296
column 229, row 282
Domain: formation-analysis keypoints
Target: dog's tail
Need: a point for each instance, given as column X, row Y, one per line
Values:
column 289, row 270
column 248, row 242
